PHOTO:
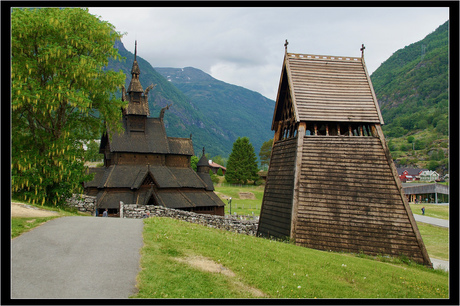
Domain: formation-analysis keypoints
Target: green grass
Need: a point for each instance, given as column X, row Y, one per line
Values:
column 21, row 225
column 436, row 240
column 431, row 210
column 241, row 206
column 278, row 269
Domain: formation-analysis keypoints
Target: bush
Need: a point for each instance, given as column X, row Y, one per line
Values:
column 404, row 148
column 432, row 165
column 419, row 144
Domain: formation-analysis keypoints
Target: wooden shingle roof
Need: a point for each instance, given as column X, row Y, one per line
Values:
column 329, row 88
column 132, row 176
column 154, row 140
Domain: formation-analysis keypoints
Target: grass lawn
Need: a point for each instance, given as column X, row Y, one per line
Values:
column 436, row 240
column 431, row 210
column 268, row 269
column 241, row 206
column 22, row 225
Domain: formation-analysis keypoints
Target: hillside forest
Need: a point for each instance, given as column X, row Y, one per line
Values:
column 412, row 87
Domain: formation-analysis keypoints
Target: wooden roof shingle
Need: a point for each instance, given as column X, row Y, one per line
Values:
column 330, row 88
column 132, row 176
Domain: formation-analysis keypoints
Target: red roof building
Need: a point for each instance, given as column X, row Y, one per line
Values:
column 215, row 167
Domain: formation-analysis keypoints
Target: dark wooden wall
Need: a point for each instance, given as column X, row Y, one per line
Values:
column 275, row 216
column 349, row 200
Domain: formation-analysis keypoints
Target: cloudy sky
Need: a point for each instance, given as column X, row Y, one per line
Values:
column 245, row 46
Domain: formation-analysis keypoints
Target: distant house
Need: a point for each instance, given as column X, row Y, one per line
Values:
column 215, row 167
column 429, row 176
column 409, row 174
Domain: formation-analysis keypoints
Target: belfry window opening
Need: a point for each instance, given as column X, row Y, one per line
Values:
column 357, row 129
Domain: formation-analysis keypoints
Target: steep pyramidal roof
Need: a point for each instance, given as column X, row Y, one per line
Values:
column 328, row 88
column 135, row 84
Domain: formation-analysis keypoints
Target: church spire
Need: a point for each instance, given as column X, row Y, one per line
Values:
column 137, row 97
column 135, row 84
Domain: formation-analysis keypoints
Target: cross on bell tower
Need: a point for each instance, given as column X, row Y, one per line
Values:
column 362, row 50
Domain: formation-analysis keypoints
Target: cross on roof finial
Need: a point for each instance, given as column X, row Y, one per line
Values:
column 362, row 50
column 135, row 50
column 285, row 45
column 203, row 151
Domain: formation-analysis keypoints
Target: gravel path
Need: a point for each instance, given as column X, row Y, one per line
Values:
column 77, row 257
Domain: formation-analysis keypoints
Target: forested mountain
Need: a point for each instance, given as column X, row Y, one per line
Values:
column 239, row 112
column 412, row 89
column 214, row 112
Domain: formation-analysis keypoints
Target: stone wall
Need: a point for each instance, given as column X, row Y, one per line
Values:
column 230, row 223
column 83, row 203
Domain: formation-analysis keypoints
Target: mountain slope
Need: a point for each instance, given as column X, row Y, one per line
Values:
column 412, row 89
column 214, row 112
column 182, row 119
column 236, row 110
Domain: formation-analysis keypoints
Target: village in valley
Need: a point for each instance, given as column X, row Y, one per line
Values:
column 330, row 183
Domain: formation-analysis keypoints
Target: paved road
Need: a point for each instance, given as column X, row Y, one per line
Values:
column 430, row 220
column 440, row 264
column 77, row 257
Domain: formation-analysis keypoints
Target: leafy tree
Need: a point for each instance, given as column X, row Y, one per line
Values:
column 92, row 152
column 403, row 147
column 214, row 177
column 193, row 161
column 220, row 172
column 242, row 163
column 442, row 127
column 419, row 144
column 265, row 153
column 61, row 96
column 410, row 139
column 432, row 165
column 391, row 145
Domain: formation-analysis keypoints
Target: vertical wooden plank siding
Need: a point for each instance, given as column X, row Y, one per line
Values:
column 275, row 216
column 349, row 199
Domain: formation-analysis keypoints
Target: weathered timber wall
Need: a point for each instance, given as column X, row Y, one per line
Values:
column 275, row 215
column 229, row 223
column 349, row 200
column 83, row 203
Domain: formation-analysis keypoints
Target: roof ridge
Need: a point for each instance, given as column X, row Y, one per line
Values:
column 323, row 57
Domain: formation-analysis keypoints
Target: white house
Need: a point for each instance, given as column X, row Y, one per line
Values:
column 429, row 176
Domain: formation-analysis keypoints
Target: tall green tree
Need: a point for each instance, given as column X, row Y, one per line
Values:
column 193, row 162
column 61, row 96
column 242, row 163
column 265, row 153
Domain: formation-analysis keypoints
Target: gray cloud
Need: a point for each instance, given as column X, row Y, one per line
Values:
column 244, row 46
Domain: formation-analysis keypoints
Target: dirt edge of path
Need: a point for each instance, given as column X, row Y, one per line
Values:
column 21, row 210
